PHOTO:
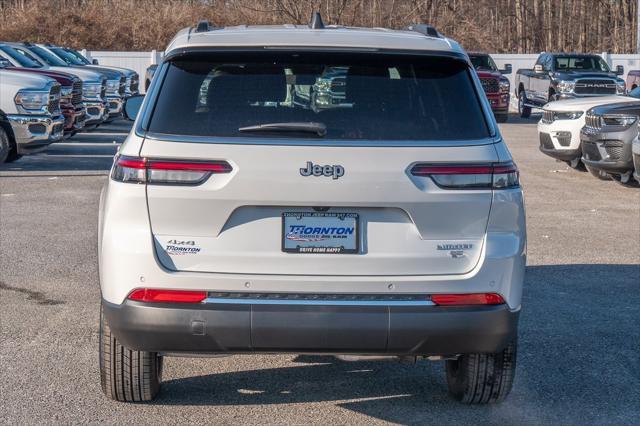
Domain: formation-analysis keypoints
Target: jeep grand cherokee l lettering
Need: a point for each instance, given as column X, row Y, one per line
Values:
column 250, row 223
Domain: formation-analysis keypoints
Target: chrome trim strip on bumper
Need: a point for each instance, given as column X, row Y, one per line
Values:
column 242, row 301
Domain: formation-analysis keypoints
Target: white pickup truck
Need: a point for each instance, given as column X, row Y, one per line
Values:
column 30, row 117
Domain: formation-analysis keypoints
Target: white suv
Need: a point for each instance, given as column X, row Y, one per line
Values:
column 237, row 220
column 561, row 122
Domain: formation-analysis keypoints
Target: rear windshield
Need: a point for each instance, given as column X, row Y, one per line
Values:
column 352, row 96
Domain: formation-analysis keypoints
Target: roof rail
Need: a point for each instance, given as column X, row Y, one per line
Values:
column 425, row 29
column 203, row 26
column 316, row 21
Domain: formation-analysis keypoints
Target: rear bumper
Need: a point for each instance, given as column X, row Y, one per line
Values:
column 353, row 329
column 34, row 133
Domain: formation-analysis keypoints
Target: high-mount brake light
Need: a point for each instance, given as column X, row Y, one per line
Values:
column 165, row 172
column 472, row 176
column 167, row 296
column 467, row 299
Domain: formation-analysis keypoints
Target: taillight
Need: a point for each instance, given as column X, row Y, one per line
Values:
column 467, row 299
column 479, row 176
column 167, row 296
column 168, row 172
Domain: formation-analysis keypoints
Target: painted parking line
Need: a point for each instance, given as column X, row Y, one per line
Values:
column 103, row 134
column 85, row 144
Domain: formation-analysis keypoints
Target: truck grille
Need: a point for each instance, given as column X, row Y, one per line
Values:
column 338, row 85
column 76, row 92
column 548, row 116
column 614, row 149
column 595, row 87
column 103, row 91
column 593, row 121
column 123, row 85
column 490, row 85
column 545, row 141
column 590, row 151
column 54, row 99
column 133, row 84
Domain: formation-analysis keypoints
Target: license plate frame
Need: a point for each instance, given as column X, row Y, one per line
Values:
column 295, row 243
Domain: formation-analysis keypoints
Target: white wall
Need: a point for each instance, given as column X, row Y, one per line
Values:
column 139, row 61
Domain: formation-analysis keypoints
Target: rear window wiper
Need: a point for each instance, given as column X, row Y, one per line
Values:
column 317, row 129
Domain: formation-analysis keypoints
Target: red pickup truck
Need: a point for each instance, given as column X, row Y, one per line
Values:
column 495, row 85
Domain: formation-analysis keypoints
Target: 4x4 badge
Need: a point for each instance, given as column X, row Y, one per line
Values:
column 334, row 171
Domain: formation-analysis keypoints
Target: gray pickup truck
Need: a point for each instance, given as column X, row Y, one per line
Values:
column 558, row 76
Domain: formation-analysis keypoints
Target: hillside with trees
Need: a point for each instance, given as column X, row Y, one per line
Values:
column 507, row 26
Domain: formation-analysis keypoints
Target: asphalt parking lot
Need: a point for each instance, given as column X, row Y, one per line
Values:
column 578, row 358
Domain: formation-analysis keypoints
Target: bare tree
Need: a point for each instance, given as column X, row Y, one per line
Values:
column 491, row 25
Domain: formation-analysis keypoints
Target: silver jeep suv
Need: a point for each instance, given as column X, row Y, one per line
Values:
column 237, row 220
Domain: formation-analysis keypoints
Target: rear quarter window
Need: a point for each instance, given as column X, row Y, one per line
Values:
column 356, row 96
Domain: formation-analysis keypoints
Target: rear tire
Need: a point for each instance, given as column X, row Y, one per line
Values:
column 482, row 378
column 127, row 375
column 525, row 111
column 598, row 174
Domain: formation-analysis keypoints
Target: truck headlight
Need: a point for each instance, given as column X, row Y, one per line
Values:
column 323, row 85
column 567, row 115
column 619, row 120
column 504, row 86
column 113, row 86
column 91, row 90
column 32, row 100
column 621, row 87
column 566, row 86
column 66, row 92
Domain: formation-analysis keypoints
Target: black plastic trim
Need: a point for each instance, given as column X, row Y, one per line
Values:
column 392, row 330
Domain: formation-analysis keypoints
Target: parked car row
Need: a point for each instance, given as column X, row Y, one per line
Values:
column 50, row 92
column 596, row 133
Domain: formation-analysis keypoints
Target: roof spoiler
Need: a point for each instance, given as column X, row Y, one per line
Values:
column 425, row 29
